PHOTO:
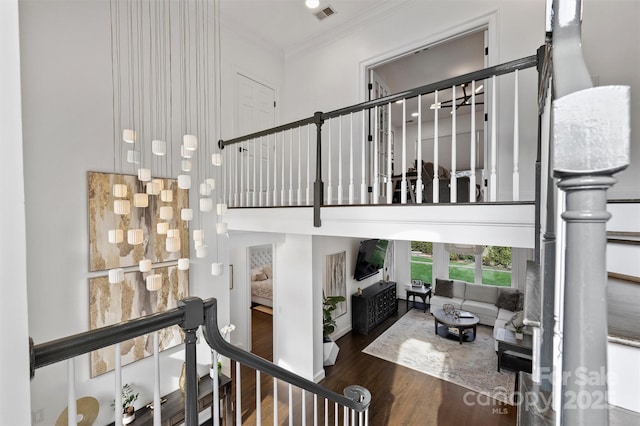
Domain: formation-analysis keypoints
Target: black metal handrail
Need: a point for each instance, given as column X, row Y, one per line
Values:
column 191, row 313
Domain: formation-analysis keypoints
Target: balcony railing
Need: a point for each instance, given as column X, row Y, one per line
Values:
column 190, row 314
column 357, row 159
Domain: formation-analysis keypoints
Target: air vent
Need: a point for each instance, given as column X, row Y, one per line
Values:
column 325, row 13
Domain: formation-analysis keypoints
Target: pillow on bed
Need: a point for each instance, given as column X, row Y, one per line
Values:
column 255, row 272
column 260, row 277
column 267, row 271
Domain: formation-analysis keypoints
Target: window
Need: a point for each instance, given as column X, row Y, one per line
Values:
column 492, row 264
column 421, row 261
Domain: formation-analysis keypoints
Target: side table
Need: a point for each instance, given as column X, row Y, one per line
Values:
column 421, row 292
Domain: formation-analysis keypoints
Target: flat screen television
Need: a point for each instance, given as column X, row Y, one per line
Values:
column 370, row 260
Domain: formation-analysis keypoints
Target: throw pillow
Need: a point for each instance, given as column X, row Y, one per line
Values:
column 260, row 277
column 520, row 304
column 444, row 288
column 517, row 320
column 507, row 299
column 268, row 271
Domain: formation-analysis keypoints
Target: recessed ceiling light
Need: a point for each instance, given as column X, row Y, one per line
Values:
column 312, row 4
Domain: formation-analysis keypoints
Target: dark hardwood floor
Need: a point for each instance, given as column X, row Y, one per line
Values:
column 400, row 396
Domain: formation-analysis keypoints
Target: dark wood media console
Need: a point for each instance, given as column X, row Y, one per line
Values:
column 376, row 303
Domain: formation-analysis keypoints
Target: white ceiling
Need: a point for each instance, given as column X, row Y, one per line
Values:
column 287, row 24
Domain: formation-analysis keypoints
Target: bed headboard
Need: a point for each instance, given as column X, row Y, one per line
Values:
column 260, row 256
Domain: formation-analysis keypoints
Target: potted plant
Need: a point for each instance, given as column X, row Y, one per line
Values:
column 128, row 398
column 519, row 329
column 330, row 348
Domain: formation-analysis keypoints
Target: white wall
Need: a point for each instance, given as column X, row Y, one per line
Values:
column 15, row 402
column 67, row 117
column 609, row 40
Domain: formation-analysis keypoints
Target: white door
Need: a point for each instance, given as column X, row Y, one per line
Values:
column 255, row 111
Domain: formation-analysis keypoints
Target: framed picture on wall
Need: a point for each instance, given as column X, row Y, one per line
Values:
column 335, row 283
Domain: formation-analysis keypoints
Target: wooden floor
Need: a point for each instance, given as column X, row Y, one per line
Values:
column 400, row 396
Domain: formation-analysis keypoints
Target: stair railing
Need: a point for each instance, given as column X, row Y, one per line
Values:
column 191, row 313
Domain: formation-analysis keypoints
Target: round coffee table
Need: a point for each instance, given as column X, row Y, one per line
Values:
column 466, row 321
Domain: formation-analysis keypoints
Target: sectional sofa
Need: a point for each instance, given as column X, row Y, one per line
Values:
column 494, row 306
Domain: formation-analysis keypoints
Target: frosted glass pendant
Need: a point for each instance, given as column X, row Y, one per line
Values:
column 221, row 208
column 140, row 200
column 216, row 269
column 158, row 147
column 206, row 204
column 190, row 142
column 116, row 275
column 129, row 136
column 216, row 159
column 185, row 153
column 173, row 233
column 198, row 243
column 166, row 195
column 162, row 228
column 186, row 214
column 202, row 251
column 198, row 235
column 172, row 244
column 211, row 182
column 154, row 282
column 144, row 174
column 115, row 236
column 184, row 181
column 133, row 157
column 153, row 187
column 145, row 265
column 166, row 213
column 135, row 236
column 185, row 165
column 121, row 206
column 205, row 189
column 183, row 264
column 159, row 183
column 119, row 190
column 221, row 228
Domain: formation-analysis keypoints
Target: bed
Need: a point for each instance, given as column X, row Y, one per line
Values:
column 261, row 277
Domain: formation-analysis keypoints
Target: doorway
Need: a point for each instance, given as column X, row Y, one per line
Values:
column 457, row 55
column 261, row 288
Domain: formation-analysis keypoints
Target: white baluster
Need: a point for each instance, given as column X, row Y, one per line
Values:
column 336, row 414
column 118, row 379
column 216, row 392
column 238, row 406
column 299, row 145
column 260, row 192
column 290, row 404
column 454, row 148
column 283, row 192
column 258, row 400
column 340, row 160
column 291, row 167
column 363, row 185
column 326, row 412
column 366, row 413
column 376, row 136
column 304, row 409
column 267, row 190
column 275, row 170
column 472, row 154
column 315, row 410
column 236, row 172
column 389, row 165
column 345, row 412
column 254, row 201
column 494, row 133
column 329, row 199
column 436, row 177
column 351, row 187
column 275, row 402
column 403, row 182
column 418, row 188
column 72, row 412
column 247, row 194
column 308, row 165
column 516, row 141
column 156, row 380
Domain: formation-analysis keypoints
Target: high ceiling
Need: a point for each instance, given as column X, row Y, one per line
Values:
column 287, row 24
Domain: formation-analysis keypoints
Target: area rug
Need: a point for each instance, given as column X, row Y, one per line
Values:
column 412, row 343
